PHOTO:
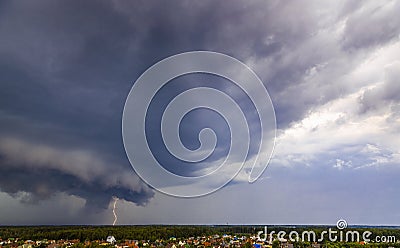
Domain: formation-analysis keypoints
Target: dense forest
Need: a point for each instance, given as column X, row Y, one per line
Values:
column 101, row 232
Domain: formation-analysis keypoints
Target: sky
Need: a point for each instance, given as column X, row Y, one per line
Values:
column 331, row 68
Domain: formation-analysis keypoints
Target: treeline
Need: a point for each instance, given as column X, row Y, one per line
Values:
column 92, row 233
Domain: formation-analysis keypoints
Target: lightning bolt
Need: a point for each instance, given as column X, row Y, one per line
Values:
column 114, row 208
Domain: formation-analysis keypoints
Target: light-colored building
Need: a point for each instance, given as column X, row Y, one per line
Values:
column 111, row 239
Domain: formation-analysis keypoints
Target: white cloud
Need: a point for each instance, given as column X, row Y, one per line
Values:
column 341, row 164
column 342, row 122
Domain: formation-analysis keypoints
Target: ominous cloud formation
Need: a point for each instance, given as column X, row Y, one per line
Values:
column 40, row 171
column 331, row 68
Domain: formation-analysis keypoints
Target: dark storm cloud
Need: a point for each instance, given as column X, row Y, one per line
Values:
column 66, row 69
column 39, row 171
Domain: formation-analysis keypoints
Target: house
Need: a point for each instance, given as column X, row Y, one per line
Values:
column 111, row 239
